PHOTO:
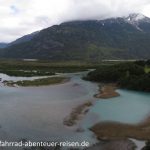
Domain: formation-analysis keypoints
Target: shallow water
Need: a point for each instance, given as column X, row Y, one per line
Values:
column 130, row 107
column 37, row 113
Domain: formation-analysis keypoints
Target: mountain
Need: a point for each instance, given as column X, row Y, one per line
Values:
column 91, row 40
column 3, row 45
column 139, row 21
column 23, row 39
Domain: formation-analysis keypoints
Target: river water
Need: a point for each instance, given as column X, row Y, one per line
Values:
column 37, row 113
column 130, row 107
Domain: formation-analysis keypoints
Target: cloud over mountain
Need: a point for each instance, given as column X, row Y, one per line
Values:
column 20, row 17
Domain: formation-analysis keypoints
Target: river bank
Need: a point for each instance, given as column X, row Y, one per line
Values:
column 37, row 82
column 117, row 131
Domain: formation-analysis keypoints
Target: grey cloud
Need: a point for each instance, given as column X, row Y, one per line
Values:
column 100, row 9
column 33, row 17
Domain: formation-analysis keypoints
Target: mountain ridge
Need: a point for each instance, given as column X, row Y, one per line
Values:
column 91, row 40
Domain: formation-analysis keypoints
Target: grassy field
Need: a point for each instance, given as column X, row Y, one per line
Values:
column 41, row 68
column 21, row 68
column 45, row 67
column 27, row 73
column 37, row 82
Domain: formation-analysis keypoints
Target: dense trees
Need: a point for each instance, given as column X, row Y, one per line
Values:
column 141, row 83
column 112, row 73
column 126, row 75
column 143, row 63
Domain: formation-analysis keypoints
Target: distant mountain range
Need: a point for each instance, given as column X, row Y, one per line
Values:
column 3, row 45
column 23, row 39
column 91, row 40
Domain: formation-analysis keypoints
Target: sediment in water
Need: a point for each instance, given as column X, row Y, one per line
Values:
column 107, row 91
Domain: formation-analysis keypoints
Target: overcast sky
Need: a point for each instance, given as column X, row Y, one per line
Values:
column 20, row 17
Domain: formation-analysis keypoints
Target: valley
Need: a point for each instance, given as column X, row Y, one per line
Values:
column 69, row 110
column 75, row 80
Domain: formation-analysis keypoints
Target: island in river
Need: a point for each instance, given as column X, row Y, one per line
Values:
column 107, row 91
column 36, row 82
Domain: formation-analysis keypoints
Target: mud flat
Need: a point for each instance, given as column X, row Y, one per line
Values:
column 117, row 131
column 77, row 113
column 107, row 91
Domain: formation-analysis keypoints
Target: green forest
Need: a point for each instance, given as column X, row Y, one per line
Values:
column 129, row 75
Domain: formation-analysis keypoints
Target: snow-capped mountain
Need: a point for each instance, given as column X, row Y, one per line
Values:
column 137, row 20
